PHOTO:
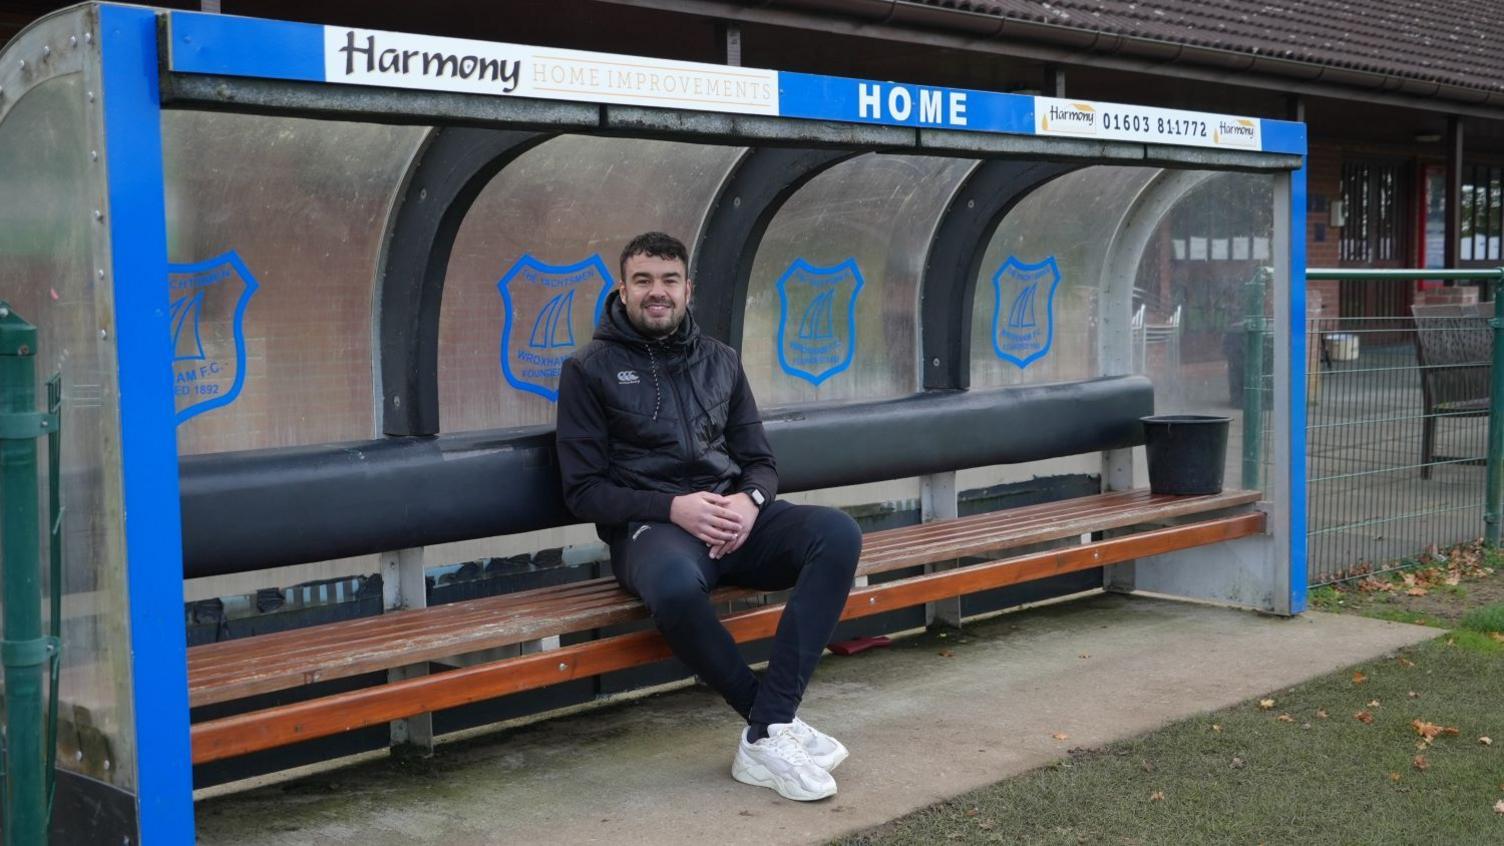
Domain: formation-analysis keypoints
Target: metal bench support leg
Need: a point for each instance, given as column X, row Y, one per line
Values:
column 1117, row 475
column 404, row 587
column 937, row 501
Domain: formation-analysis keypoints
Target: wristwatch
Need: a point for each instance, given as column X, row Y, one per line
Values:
column 757, row 498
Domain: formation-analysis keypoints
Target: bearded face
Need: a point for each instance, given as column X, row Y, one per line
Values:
column 655, row 292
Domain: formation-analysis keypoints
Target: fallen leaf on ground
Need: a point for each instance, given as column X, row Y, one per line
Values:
column 1417, row 591
column 1499, row 636
column 1499, row 807
column 1159, row 796
column 1486, row 741
column 1216, row 727
column 1148, row 767
column 1321, row 713
column 946, row 653
column 1414, row 695
column 971, row 812
column 1425, row 729
column 1394, row 776
column 1060, row 735
column 1363, row 717
column 1421, row 763
column 1285, row 718
column 1359, row 678
column 1431, row 730
column 1373, row 703
column 1404, row 662
column 1266, row 704
column 1238, row 763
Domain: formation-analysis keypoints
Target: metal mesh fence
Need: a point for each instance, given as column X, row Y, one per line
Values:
column 1396, row 432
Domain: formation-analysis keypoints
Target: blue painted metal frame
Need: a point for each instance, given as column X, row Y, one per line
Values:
column 136, row 215
column 528, row 261
column 1297, row 374
column 233, row 259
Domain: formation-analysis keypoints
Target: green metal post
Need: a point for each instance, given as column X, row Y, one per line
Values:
column 1491, row 508
column 1255, row 327
column 24, row 650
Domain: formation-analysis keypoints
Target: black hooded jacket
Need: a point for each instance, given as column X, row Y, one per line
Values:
column 643, row 421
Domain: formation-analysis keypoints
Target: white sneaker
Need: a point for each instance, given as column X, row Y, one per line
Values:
column 779, row 762
column 824, row 750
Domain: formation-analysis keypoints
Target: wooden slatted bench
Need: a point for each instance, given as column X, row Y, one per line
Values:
column 1139, row 523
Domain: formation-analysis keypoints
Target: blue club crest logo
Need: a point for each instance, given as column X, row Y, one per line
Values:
column 817, row 320
column 1023, row 320
column 208, row 302
column 550, row 311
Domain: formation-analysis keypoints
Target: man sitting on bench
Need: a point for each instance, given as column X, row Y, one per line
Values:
column 661, row 446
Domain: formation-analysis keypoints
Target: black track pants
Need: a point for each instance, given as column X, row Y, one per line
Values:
column 811, row 549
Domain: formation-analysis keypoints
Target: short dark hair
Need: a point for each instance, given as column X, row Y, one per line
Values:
column 655, row 244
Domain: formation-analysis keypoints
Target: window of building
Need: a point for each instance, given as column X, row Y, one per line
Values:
column 1482, row 213
column 1371, row 197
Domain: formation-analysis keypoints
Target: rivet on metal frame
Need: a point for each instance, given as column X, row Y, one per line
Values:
column 72, row 41
column 93, row 155
column 99, row 273
column 88, row 38
column 90, row 95
column 46, row 50
column 98, row 215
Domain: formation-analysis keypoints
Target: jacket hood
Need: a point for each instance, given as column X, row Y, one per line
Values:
column 615, row 326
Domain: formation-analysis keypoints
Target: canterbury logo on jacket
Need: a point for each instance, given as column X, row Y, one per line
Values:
column 643, row 421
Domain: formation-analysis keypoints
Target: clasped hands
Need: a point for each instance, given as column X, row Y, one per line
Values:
column 722, row 522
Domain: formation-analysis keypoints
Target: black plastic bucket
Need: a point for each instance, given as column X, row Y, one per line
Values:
column 1186, row 453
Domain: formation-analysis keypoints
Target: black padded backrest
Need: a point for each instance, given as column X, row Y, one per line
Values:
column 248, row 511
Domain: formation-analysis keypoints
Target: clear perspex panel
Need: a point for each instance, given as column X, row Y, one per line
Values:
column 1198, row 282
column 1046, row 268
column 832, row 310
column 50, row 188
column 275, row 228
column 1148, row 273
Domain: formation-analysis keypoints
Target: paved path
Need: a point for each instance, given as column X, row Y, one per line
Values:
column 922, row 726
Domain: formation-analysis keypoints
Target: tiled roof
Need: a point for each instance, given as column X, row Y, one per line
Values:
column 1452, row 42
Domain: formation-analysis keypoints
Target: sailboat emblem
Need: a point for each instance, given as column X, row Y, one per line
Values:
column 541, row 325
column 207, row 304
column 554, row 328
column 1023, row 319
column 817, row 321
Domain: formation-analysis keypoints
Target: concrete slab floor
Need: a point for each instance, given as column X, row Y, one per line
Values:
column 927, row 719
